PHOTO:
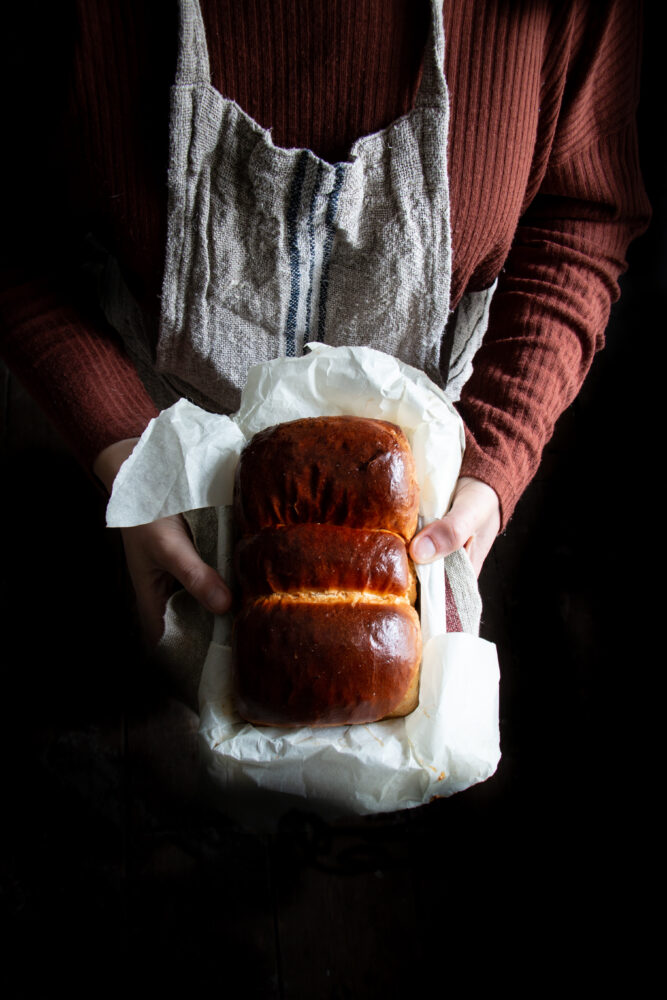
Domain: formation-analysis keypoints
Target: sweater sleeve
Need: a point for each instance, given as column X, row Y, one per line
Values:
column 72, row 364
column 52, row 336
column 554, row 294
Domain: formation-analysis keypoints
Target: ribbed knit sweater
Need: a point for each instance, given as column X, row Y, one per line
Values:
column 544, row 183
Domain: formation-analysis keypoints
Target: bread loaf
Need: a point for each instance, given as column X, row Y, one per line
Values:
column 327, row 633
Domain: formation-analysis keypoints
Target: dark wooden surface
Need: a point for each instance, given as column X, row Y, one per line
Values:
column 115, row 873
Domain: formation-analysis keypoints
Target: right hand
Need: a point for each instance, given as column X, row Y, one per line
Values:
column 160, row 553
column 472, row 523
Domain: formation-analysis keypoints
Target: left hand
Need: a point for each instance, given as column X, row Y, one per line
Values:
column 472, row 523
column 160, row 553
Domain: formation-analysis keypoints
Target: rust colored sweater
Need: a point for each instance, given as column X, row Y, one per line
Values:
column 544, row 185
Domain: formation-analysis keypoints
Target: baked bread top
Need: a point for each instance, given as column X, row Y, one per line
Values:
column 351, row 471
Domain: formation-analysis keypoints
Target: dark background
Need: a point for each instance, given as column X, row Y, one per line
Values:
column 116, row 874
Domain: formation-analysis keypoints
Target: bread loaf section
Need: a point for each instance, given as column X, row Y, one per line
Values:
column 327, row 633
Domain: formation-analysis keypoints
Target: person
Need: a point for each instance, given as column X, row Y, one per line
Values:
column 411, row 175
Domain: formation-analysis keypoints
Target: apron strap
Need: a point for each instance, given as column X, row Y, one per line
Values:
column 463, row 604
column 193, row 65
column 433, row 87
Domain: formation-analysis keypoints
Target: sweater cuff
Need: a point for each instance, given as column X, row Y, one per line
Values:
column 477, row 464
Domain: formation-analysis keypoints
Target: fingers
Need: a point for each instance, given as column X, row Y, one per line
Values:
column 473, row 521
column 159, row 553
column 182, row 561
column 152, row 595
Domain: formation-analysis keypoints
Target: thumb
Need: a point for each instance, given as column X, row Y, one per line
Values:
column 442, row 537
column 472, row 523
column 181, row 559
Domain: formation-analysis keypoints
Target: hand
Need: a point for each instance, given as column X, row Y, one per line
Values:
column 159, row 553
column 472, row 523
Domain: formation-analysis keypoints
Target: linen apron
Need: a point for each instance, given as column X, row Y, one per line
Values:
column 269, row 248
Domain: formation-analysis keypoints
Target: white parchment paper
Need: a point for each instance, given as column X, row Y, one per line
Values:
column 186, row 459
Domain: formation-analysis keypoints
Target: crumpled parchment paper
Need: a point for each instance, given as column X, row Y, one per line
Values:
column 186, row 460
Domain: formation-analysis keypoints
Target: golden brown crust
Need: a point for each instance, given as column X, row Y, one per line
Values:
column 350, row 471
column 312, row 557
column 301, row 664
column 327, row 634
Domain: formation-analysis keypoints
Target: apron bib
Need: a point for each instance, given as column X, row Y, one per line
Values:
column 269, row 248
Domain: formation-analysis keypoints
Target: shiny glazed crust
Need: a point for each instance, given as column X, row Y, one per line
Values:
column 319, row 557
column 334, row 470
column 326, row 664
column 327, row 634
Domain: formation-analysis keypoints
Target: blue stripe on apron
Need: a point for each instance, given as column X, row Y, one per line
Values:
column 297, row 282
column 332, row 209
column 311, row 244
column 294, row 201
